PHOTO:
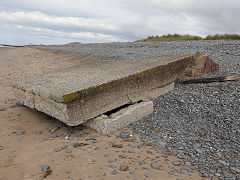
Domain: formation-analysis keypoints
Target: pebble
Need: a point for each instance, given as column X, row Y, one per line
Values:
column 122, row 156
column 106, row 155
column 222, row 162
column 1, row 148
column 64, row 147
column 131, row 151
column 45, row 167
column 68, row 150
column 18, row 114
column 114, row 172
column 2, row 109
column 112, row 166
column 54, row 129
column 154, row 166
column 199, row 151
column 235, row 170
column 148, row 175
column 94, row 141
column 38, row 132
column 59, row 134
column 21, row 132
column 145, row 168
column 123, row 168
column 56, row 149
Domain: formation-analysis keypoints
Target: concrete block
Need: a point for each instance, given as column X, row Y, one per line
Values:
column 79, row 93
column 201, row 65
column 104, row 124
column 159, row 91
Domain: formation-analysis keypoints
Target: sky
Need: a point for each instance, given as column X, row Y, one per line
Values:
column 93, row 21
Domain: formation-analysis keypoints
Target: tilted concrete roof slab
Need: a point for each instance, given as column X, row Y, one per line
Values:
column 76, row 94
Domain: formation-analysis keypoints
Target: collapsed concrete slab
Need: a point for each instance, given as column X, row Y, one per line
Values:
column 76, row 94
column 107, row 123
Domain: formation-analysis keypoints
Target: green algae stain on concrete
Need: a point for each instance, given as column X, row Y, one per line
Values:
column 70, row 97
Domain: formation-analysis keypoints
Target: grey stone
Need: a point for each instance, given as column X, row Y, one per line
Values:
column 199, row 151
column 235, row 170
column 106, row 155
column 38, row 132
column 145, row 168
column 54, row 129
column 68, row 150
column 140, row 162
column 123, row 168
column 56, row 149
column 45, row 168
column 114, row 172
column 59, row 134
column 94, row 141
column 131, row 151
column 112, row 166
column 1, row 148
column 222, row 162
column 2, row 109
column 68, row 172
column 64, row 147
column 21, row 132
column 154, row 166
column 148, row 175
column 122, row 156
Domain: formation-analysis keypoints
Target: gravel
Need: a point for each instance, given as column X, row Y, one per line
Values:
column 198, row 123
column 137, row 51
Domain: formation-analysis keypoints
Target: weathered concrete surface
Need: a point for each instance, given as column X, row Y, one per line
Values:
column 76, row 94
column 201, row 66
column 104, row 124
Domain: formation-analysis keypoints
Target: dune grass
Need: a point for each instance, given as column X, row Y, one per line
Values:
column 178, row 37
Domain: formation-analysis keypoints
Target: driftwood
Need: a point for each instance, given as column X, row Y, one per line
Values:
column 210, row 80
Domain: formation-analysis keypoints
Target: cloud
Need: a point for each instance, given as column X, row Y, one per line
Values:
column 122, row 20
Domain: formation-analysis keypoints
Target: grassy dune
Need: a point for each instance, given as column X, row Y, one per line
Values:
column 178, row 37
